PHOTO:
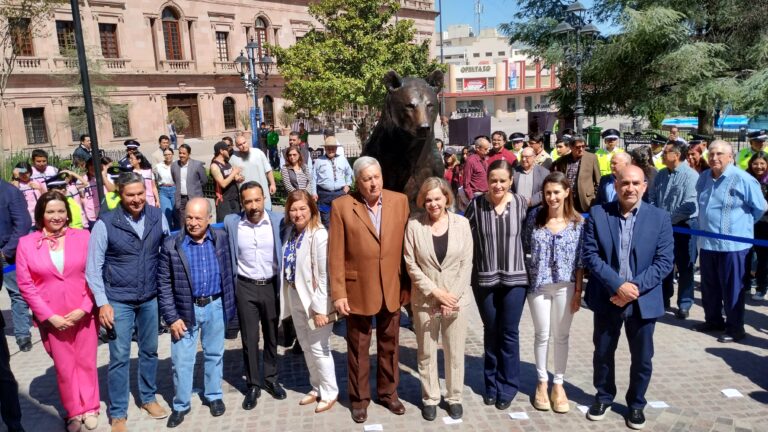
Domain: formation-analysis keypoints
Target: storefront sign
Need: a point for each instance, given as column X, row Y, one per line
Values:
column 475, row 84
column 478, row 68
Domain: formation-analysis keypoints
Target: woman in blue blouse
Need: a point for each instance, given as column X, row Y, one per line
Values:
column 553, row 237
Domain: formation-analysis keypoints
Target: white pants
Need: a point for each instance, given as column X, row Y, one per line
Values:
column 317, row 350
column 551, row 311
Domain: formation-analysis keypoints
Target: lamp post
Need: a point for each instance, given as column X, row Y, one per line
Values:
column 576, row 26
column 246, row 67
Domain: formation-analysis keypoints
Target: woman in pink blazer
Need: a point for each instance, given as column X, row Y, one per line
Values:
column 50, row 266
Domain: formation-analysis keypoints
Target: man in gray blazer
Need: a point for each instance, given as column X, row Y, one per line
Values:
column 256, row 252
column 529, row 178
column 189, row 177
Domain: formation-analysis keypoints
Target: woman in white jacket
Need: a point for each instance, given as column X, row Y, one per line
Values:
column 305, row 295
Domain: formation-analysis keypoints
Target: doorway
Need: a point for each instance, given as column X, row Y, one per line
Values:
column 188, row 104
column 269, row 110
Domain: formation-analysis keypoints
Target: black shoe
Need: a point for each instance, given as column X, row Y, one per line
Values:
column 488, row 400
column 706, row 327
column 682, row 314
column 598, row 410
column 276, row 390
column 635, row 419
column 176, row 418
column 16, row 429
column 455, row 411
column 24, row 343
column 251, row 396
column 429, row 412
column 231, row 334
column 217, row 407
column 732, row 337
column 501, row 405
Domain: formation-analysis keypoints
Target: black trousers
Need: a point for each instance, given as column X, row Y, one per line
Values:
column 10, row 409
column 257, row 306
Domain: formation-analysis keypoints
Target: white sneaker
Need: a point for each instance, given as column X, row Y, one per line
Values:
column 758, row 296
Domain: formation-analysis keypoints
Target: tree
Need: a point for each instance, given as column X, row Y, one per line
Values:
column 343, row 63
column 668, row 56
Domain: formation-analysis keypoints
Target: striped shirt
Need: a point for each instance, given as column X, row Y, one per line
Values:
column 204, row 273
column 303, row 179
column 498, row 257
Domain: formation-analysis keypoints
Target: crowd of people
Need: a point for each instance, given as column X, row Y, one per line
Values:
column 346, row 248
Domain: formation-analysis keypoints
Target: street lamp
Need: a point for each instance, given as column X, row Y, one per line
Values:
column 575, row 25
column 246, row 67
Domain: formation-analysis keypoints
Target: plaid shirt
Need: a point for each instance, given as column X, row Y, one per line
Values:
column 203, row 266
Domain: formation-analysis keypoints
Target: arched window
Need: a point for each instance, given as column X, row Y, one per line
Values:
column 260, row 29
column 269, row 110
column 230, row 120
column 172, row 34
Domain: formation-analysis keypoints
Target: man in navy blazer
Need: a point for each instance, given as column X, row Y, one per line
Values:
column 628, row 248
column 256, row 254
column 14, row 223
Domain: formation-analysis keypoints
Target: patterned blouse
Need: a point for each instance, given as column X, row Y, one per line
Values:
column 498, row 258
column 289, row 258
column 552, row 258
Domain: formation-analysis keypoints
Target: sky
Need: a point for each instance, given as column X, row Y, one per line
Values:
column 494, row 13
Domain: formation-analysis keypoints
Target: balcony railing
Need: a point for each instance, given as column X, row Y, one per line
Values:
column 177, row 65
column 428, row 5
column 22, row 64
column 115, row 64
column 224, row 67
column 65, row 63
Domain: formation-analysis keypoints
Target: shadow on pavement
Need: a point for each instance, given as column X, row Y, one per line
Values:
column 745, row 363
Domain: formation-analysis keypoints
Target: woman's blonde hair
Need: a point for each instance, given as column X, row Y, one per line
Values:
column 302, row 195
column 434, row 183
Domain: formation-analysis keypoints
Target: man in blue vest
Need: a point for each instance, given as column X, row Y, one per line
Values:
column 123, row 254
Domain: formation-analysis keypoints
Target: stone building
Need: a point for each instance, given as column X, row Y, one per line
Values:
column 157, row 55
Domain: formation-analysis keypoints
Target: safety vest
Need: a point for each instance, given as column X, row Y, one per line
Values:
column 76, row 212
column 604, row 159
column 112, row 199
column 742, row 159
column 555, row 155
column 659, row 162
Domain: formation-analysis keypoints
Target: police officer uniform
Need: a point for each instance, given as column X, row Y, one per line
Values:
column 756, row 143
column 604, row 155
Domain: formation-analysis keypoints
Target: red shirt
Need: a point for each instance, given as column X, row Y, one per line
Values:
column 504, row 154
column 475, row 175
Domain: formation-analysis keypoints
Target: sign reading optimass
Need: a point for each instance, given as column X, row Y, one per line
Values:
column 479, row 68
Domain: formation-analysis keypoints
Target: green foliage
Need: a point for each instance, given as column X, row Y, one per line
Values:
column 344, row 61
column 9, row 162
column 668, row 56
column 287, row 115
column 245, row 119
column 180, row 119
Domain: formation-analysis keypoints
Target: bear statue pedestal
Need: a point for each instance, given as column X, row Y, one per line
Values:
column 462, row 131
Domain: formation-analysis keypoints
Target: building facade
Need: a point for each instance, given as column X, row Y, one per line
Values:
column 486, row 74
column 154, row 56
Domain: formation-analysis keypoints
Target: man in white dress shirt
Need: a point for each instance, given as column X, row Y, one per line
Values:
column 254, row 241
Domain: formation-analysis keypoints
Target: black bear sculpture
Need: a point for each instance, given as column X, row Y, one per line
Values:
column 403, row 141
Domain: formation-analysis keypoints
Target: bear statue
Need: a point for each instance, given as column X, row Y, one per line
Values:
column 403, row 141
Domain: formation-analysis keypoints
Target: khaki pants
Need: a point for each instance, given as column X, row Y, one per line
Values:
column 454, row 331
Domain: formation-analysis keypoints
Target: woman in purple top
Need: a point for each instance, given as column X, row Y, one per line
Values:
column 552, row 240
column 758, row 167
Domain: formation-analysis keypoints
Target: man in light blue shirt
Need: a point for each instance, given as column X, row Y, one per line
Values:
column 333, row 177
column 674, row 190
column 730, row 201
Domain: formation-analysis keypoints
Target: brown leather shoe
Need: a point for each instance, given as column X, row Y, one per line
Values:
column 395, row 406
column 155, row 410
column 359, row 415
column 119, row 425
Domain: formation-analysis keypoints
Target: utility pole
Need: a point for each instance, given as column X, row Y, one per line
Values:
column 478, row 12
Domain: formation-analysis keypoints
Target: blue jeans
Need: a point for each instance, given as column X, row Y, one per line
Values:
column 500, row 310
column 144, row 317
column 167, row 200
column 209, row 324
column 22, row 320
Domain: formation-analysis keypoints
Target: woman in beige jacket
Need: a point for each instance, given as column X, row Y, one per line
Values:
column 438, row 256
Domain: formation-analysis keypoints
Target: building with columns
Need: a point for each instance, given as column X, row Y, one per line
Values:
column 156, row 56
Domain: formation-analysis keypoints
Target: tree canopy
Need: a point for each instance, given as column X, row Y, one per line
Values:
column 344, row 61
column 666, row 57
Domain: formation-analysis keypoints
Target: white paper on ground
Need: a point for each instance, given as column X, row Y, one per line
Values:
column 658, row 404
column 450, row 421
column 373, row 427
column 582, row 408
column 731, row 393
column 518, row 415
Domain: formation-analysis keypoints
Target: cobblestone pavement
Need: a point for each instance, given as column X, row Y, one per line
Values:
column 690, row 370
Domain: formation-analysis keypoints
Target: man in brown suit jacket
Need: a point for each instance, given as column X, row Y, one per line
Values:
column 365, row 256
column 584, row 174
